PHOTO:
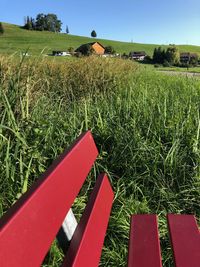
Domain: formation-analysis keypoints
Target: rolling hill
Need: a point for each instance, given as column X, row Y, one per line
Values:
column 16, row 39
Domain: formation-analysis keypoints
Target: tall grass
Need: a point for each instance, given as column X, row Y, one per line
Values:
column 146, row 127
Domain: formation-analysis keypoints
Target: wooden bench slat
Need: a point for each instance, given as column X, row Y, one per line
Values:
column 87, row 241
column 144, row 245
column 30, row 226
column 185, row 239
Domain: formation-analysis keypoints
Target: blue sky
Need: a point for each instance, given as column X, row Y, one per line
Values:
column 143, row 21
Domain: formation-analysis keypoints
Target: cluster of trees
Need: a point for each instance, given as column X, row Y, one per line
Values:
column 170, row 56
column 43, row 22
column 1, row 29
column 47, row 22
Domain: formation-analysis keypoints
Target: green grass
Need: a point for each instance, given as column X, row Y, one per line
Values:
column 18, row 40
column 179, row 69
column 146, row 126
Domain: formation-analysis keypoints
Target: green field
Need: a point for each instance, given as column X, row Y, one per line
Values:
column 16, row 39
column 146, row 126
column 180, row 69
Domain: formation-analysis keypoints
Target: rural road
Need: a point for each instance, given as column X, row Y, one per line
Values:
column 182, row 73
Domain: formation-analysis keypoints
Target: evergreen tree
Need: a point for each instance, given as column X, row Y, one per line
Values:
column 155, row 55
column 159, row 55
column 33, row 23
column 93, row 34
column 1, row 29
column 67, row 30
column 28, row 23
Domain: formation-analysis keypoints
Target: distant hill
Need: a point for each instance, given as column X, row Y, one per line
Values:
column 16, row 39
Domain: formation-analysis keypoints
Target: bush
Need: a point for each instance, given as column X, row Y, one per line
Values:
column 148, row 60
column 110, row 50
column 157, row 65
column 71, row 49
column 166, row 64
column 194, row 61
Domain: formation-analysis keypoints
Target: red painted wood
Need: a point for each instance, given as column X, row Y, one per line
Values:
column 31, row 225
column 86, row 245
column 185, row 239
column 144, row 246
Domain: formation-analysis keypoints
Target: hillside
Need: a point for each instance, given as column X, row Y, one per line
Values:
column 16, row 39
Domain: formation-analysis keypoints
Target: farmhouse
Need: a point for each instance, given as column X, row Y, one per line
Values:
column 137, row 55
column 98, row 48
column 186, row 57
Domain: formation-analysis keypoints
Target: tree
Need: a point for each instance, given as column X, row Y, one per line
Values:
column 40, row 23
column 193, row 60
column 33, row 23
column 85, row 50
column 93, row 34
column 67, row 30
column 109, row 50
column 52, row 23
column 173, row 55
column 29, row 23
column 1, row 29
column 159, row 55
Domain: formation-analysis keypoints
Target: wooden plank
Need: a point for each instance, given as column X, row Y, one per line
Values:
column 86, row 244
column 31, row 225
column 185, row 239
column 144, row 245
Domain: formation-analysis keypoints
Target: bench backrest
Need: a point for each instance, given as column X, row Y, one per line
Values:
column 30, row 226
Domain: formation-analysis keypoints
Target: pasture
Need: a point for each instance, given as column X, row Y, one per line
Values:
column 18, row 40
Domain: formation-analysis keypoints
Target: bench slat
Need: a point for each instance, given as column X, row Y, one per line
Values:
column 31, row 225
column 185, row 239
column 87, row 241
column 144, row 246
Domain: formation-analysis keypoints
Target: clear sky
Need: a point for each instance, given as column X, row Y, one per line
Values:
column 143, row 21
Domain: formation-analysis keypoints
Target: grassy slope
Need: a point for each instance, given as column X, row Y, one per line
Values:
column 17, row 39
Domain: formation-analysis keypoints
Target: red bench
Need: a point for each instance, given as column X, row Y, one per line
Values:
column 30, row 226
column 144, row 246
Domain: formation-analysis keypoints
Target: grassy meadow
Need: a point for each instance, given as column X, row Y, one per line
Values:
column 17, row 40
column 181, row 69
column 146, row 126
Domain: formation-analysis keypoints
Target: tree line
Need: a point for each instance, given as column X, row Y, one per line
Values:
column 169, row 56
